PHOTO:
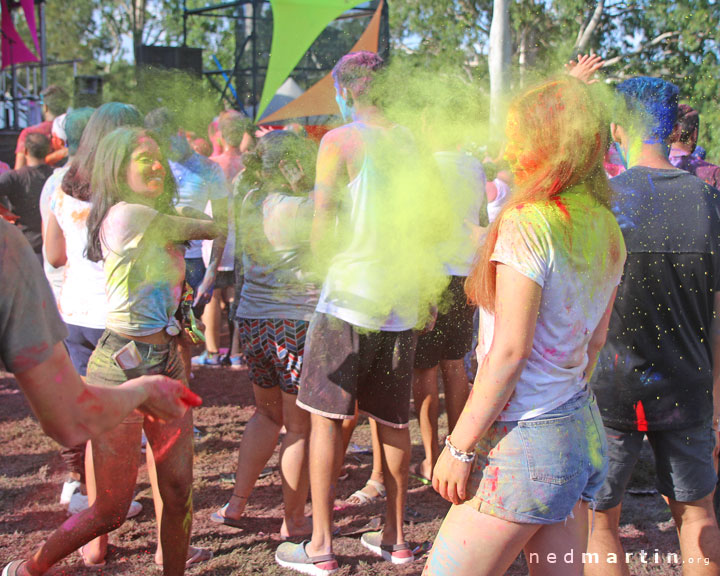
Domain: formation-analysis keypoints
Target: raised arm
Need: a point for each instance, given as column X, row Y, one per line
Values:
column 180, row 228
column 329, row 178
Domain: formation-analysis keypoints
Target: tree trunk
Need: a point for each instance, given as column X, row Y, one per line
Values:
column 499, row 60
column 586, row 33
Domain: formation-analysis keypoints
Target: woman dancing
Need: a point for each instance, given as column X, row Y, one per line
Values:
column 134, row 228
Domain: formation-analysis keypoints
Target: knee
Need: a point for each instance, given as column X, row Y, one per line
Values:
column 110, row 515
column 272, row 413
column 176, row 493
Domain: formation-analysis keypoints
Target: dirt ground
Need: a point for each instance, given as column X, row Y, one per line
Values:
column 31, row 478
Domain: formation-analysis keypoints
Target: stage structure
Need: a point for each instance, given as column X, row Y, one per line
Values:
column 285, row 45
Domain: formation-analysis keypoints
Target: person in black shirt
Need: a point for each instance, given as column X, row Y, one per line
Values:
column 655, row 376
column 20, row 189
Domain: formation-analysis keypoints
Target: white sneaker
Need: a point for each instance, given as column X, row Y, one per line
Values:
column 79, row 502
column 68, row 489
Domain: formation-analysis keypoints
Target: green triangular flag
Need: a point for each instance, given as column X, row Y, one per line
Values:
column 296, row 25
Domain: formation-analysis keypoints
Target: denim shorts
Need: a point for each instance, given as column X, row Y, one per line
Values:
column 156, row 359
column 534, row 471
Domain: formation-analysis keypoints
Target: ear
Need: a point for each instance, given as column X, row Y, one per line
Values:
column 617, row 132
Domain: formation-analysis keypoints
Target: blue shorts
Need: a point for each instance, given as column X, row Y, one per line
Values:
column 534, row 471
column 80, row 344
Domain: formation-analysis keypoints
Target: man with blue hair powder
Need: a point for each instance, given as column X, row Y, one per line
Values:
column 655, row 375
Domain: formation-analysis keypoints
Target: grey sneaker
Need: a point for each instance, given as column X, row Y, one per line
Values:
column 295, row 557
column 394, row 553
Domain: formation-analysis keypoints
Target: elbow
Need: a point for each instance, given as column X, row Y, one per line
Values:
column 512, row 360
column 68, row 435
column 595, row 345
column 56, row 259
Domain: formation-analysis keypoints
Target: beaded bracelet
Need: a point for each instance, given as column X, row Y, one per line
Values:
column 458, row 454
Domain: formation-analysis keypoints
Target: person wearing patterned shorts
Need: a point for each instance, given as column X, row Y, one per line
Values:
column 275, row 305
column 274, row 351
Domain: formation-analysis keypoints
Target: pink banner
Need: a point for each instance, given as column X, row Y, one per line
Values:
column 28, row 7
column 14, row 50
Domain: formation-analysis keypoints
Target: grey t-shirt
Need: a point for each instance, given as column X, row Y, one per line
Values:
column 30, row 324
column 276, row 251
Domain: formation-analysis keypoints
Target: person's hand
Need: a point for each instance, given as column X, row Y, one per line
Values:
column 204, row 291
column 293, row 173
column 450, row 476
column 168, row 399
column 262, row 130
column 5, row 214
column 585, row 67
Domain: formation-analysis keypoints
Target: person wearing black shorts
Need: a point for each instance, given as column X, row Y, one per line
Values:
column 361, row 340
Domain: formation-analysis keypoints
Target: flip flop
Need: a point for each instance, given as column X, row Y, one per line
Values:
column 366, row 498
column 88, row 563
column 415, row 474
column 373, row 525
column 220, row 518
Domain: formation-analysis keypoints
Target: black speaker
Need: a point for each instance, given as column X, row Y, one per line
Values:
column 170, row 57
column 88, row 91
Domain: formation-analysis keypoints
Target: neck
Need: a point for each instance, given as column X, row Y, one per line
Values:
column 133, row 198
column 32, row 162
column 652, row 156
column 368, row 114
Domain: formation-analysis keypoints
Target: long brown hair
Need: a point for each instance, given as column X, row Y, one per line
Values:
column 557, row 136
column 104, row 120
column 109, row 182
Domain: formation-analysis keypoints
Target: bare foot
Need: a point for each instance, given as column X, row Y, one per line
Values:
column 94, row 552
column 290, row 529
column 192, row 551
column 422, row 471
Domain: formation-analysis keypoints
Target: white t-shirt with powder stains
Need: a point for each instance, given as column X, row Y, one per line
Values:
column 573, row 248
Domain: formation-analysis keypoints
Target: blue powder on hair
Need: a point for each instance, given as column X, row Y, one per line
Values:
column 656, row 101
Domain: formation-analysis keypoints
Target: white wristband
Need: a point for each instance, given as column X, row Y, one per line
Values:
column 458, row 454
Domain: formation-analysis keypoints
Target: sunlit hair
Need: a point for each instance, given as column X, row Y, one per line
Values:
column 109, row 182
column 75, row 125
column 104, row 120
column 233, row 125
column 272, row 149
column 556, row 139
column 688, row 121
column 654, row 102
column 355, row 71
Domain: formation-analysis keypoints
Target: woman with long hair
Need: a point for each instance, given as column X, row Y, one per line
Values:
column 529, row 451
column 134, row 229
column 277, row 300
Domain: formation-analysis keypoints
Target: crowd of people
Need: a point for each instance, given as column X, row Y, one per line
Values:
column 564, row 289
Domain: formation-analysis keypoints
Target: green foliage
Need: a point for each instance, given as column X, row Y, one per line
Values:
column 675, row 40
